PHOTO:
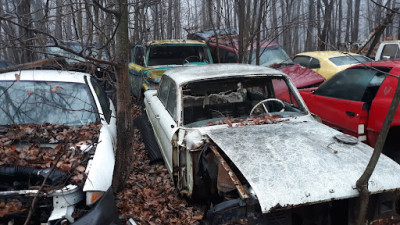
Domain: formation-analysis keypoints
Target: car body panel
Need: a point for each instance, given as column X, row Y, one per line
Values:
column 301, row 76
column 303, row 161
column 327, row 68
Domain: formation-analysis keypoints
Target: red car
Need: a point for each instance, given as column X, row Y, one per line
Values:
column 356, row 100
column 271, row 55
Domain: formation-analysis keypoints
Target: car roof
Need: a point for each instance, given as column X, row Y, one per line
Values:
column 325, row 54
column 46, row 75
column 187, row 74
column 175, row 42
column 232, row 42
column 394, row 63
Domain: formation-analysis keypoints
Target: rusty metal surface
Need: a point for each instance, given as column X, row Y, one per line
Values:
column 295, row 163
column 242, row 191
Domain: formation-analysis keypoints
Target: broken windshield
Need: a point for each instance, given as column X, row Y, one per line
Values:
column 39, row 102
column 206, row 102
column 177, row 55
column 271, row 55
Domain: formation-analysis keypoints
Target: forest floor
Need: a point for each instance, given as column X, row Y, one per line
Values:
column 150, row 196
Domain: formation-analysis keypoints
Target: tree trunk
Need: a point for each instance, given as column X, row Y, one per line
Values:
column 354, row 33
column 58, row 27
column 327, row 20
column 124, row 154
column 24, row 12
column 169, row 23
column 311, row 25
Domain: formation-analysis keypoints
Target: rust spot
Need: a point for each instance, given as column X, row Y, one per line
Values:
column 234, row 179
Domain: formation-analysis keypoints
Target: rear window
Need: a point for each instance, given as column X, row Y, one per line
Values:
column 349, row 60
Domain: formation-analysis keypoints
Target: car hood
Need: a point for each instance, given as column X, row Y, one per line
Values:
column 299, row 163
column 301, row 76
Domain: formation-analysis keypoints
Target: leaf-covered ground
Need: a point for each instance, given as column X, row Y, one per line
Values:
column 150, row 196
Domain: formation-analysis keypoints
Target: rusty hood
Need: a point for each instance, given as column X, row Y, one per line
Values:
column 299, row 163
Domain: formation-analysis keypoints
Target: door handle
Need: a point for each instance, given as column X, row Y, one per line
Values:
column 351, row 114
column 157, row 117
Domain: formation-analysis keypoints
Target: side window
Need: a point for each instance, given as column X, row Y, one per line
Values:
column 230, row 57
column 139, row 55
column 390, row 51
column 302, row 60
column 163, row 90
column 103, row 99
column 349, row 84
column 171, row 103
column 314, row 64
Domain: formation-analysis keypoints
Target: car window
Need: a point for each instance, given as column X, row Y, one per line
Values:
column 103, row 99
column 163, row 90
column 177, row 54
column 302, row 60
column 314, row 63
column 139, row 53
column 214, row 100
column 230, row 57
column 171, row 103
column 349, row 84
column 349, row 59
column 390, row 51
column 41, row 102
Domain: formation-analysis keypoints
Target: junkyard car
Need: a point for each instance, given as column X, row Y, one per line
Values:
column 229, row 139
column 149, row 62
column 328, row 63
column 57, row 139
column 356, row 101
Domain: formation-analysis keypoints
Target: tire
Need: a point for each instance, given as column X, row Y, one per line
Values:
column 149, row 140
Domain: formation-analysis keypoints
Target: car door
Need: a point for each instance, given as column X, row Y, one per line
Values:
column 162, row 114
column 341, row 102
column 135, row 70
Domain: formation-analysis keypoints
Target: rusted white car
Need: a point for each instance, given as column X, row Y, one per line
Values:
column 241, row 139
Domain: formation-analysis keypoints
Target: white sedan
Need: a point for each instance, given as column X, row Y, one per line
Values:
column 240, row 139
column 62, row 127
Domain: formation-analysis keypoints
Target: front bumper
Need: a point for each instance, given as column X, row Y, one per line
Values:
column 104, row 212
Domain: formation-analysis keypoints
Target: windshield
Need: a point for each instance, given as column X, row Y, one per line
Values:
column 349, row 60
column 177, row 55
column 208, row 101
column 39, row 102
column 271, row 55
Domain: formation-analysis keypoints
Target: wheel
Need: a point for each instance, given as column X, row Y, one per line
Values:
column 265, row 108
column 192, row 58
column 149, row 140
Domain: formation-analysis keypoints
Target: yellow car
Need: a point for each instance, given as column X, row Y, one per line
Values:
column 328, row 63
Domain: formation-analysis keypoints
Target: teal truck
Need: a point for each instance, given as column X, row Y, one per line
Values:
column 148, row 62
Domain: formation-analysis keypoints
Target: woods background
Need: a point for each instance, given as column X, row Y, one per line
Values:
column 298, row 25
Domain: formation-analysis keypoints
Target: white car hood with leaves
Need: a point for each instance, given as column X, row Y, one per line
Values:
column 300, row 162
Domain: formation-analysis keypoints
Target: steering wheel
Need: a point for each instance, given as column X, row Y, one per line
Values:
column 265, row 108
column 192, row 58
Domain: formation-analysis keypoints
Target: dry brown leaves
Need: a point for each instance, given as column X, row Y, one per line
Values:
column 24, row 145
column 150, row 196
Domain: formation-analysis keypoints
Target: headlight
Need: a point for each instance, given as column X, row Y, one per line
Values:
column 93, row 196
column 155, row 75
